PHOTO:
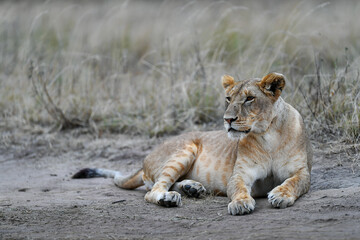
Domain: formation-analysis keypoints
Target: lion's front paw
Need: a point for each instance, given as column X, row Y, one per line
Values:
column 169, row 199
column 242, row 206
column 280, row 198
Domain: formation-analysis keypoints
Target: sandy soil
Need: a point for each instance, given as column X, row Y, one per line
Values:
column 39, row 200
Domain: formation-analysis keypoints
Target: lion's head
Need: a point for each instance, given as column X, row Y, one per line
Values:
column 250, row 104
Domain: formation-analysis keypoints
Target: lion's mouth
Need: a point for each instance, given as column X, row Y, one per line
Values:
column 234, row 130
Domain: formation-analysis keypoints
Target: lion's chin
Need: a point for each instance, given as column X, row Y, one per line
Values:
column 237, row 135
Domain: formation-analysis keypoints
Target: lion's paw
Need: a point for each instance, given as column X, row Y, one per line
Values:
column 169, row 199
column 279, row 198
column 193, row 188
column 242, row 206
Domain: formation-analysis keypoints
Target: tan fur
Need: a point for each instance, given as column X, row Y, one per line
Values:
column 264, row 150
column 132, row 182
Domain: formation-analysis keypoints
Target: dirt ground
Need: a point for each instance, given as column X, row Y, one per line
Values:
column 39, row 200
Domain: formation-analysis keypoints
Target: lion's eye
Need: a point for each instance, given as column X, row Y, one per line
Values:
column 249, row 99
column 228, row 99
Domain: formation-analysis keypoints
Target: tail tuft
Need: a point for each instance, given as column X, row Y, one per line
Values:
column 87, row 173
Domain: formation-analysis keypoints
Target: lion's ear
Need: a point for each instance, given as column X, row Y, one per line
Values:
column 227, row 81
column 272, row 85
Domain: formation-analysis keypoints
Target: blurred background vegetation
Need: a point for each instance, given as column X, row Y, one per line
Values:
column 154, row 67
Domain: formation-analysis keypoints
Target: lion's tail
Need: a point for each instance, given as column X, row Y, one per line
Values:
column 127, row 182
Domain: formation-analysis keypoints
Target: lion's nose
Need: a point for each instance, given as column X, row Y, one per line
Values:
column 230, row 120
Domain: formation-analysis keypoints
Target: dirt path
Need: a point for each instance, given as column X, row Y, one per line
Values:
column 39, row 200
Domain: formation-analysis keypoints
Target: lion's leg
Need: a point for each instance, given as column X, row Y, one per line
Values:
column 190, row 188
column 285, row 194
column 239, row 187
column 177, row 166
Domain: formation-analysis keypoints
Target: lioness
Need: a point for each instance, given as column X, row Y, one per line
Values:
column 264, row 150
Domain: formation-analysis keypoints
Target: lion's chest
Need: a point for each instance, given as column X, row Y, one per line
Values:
column 269, row 163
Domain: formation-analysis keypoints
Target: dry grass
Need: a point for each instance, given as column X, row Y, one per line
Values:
column 154, row 67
